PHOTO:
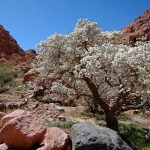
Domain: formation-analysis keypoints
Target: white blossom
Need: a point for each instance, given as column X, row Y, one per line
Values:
column 90, row 52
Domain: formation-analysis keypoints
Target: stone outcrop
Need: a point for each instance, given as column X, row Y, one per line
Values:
column 86, row 136
column 138, row 30
column 8, row 46
column 11, row 51
column 21, row 130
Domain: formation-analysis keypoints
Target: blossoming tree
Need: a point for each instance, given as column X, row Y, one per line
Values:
column 88, row 63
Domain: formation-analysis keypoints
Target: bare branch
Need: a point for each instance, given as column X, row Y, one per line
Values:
column 140, row 106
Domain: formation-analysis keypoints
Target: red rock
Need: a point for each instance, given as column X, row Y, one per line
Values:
column 11, row 51
column 8, row 45
column 30, row 76
column 22, row 132
column 139, row 28
column 25, row 68
column 56, row 139
column 14, row 114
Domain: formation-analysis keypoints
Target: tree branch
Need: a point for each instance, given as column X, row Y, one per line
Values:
column 97, row 100
column 140, row 106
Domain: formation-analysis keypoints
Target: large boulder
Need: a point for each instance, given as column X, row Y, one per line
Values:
column 86, row 136
column 14, row 114
column 23, row 132
column 56, row 139
column 5, row 118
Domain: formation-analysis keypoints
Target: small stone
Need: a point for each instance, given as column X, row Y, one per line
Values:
column 56, row 139
column 61, row 117
column 59, row 108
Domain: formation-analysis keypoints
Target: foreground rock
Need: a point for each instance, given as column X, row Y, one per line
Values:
column 15, row 114
column 86, row 136
column 56, row 139
column 23, row 132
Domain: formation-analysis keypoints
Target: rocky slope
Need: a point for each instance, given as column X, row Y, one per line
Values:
column 11, row 51
column 138, row 29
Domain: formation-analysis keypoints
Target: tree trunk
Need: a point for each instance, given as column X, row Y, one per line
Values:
column 97, row 100
column 112, row 122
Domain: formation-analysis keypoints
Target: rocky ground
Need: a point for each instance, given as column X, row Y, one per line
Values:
column 29, row 121
column 24, row 131
column 24, row 112
column 48, row 121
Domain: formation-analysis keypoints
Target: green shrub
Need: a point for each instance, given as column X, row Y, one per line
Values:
column 60, row 124
column 7, row 73
column 135, row 136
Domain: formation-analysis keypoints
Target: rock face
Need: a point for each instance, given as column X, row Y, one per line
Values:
column 56, row 139
column 139, row 29
column 11, row 51
column 86, row 136
column 22, row 131
column 8, row 46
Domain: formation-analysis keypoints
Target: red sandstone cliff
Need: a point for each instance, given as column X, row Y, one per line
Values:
column 11, row 51
column 138, row 29
column 8, row 46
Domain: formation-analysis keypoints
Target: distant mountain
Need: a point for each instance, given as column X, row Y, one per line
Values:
column 137, row 30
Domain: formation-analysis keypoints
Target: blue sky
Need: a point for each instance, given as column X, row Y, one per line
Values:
column 30, row 21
